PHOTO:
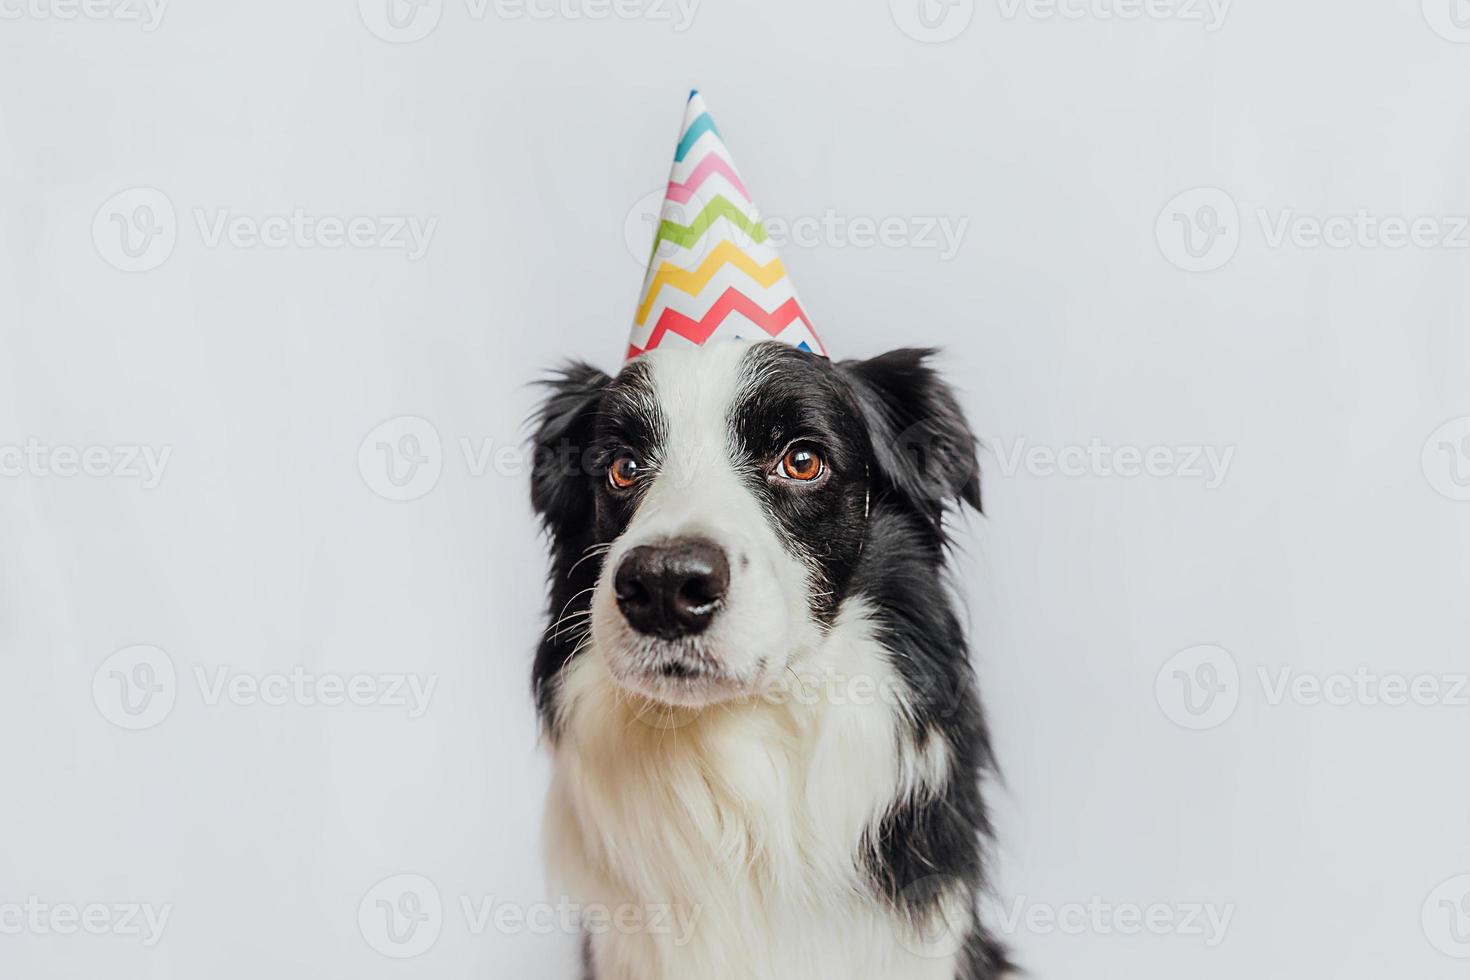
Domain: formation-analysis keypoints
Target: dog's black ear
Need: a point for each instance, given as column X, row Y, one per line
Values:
column 923, row 446
column 565, row 424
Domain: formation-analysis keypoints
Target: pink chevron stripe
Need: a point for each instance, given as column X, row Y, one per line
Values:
column 731, row 300
column 714, row 163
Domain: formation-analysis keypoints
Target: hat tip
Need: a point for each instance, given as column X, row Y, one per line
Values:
column 692, row 93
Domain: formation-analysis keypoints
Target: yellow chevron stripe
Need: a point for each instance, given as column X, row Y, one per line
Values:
column 691, row 281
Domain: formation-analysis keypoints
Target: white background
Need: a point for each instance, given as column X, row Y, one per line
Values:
column 1060, row 138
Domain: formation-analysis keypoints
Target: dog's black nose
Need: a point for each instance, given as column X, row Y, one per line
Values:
column 672, row 589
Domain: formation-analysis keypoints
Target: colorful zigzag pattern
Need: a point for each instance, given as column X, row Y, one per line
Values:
column 713, row 275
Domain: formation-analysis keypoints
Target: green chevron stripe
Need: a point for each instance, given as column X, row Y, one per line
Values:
column 688, row 237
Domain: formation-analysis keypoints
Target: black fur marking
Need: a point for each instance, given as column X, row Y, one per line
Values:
column 922, row 453
column 586, row 420
column 789, row 396
column 561, row 494
column 926, row 845
column 924, row 449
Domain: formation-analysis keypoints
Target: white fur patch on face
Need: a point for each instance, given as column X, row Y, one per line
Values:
column 700, row 489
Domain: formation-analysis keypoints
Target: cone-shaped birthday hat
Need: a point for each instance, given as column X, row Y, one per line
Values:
column 713, row 274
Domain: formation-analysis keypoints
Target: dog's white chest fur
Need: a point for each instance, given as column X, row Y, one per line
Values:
column 735, row 832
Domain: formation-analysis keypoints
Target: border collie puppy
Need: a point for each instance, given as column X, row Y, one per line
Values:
column 768, row 746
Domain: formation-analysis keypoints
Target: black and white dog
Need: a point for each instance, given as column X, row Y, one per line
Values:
column 758, row 697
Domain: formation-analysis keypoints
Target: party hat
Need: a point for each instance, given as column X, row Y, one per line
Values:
column 713, row 274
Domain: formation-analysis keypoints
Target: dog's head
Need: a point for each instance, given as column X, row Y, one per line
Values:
column 710, row 508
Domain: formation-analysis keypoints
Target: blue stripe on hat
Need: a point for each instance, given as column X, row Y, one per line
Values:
column 704, row 124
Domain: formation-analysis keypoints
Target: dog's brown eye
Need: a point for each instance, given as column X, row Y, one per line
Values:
column 623, row 472
column 802, row 463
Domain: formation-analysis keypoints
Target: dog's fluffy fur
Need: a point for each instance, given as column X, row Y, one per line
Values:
column 803, row 792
